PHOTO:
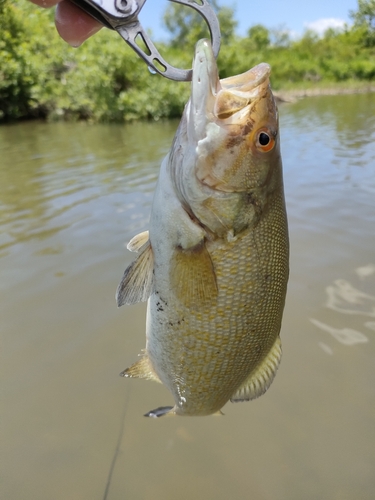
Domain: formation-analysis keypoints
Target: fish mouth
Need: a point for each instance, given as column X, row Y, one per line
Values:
column 229, row 100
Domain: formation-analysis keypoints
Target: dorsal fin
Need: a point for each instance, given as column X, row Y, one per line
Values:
column 141, row 369
column 260, row 380
column 137, row 242
column 192, row 276
column 136, row 284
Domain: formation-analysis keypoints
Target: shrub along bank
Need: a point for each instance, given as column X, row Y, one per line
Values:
column 103, row 80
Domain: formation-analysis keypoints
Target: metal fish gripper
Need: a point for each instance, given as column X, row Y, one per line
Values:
column 122, row 16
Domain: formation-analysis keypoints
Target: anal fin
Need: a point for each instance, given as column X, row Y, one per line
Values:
column 193, row 276
column 260, row 379
column 141, row 369
column 136, row 284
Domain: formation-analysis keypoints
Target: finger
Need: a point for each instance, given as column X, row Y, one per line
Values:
column 74, row 25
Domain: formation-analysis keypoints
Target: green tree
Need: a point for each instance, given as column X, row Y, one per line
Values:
column 15, row 72
column 187, row 26
column 364, row 20
column 104, row 80
column 259, row 36
column 280, row 37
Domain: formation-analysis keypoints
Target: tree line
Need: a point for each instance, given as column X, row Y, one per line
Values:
column 104, row 80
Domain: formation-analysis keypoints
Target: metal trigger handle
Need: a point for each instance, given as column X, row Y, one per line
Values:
column 122, row 16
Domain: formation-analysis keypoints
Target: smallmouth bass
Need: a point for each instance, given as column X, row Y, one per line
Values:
column 214, row 264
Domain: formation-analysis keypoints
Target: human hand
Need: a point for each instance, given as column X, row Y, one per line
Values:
column 73, row 25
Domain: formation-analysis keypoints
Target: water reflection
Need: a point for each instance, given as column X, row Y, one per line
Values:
column 344, row 298
column 365, row 271
column 343, row 133
column 49, row 170
column 345, row 336
column 71, row 196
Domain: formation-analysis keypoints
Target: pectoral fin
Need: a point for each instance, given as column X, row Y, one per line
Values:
column 136, row 284
column 193, row 276
column 136, row 243
column 141, row 369
column 260, row 380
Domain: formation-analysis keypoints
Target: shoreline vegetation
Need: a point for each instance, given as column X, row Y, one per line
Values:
column 41, row 77
column 335, row 88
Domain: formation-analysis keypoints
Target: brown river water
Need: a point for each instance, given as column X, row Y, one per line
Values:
column 71, row 196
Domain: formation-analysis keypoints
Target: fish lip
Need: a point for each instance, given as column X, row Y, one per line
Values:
column 205, row 86
column 205, row 70
column 245, row 83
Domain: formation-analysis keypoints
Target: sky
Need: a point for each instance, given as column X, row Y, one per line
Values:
column 296, row 15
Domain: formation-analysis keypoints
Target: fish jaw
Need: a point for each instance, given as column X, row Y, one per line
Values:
column 226, row 150
column 221, row 102
column 241, row 143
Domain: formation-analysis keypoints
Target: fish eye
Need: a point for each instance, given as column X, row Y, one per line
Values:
column 265, row 140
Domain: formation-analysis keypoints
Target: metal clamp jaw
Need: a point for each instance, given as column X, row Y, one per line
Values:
column 122, row 16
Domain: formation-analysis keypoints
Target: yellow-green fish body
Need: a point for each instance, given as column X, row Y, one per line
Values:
column 214, row 265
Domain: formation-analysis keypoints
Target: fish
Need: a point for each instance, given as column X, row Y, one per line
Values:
column 214, row 265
